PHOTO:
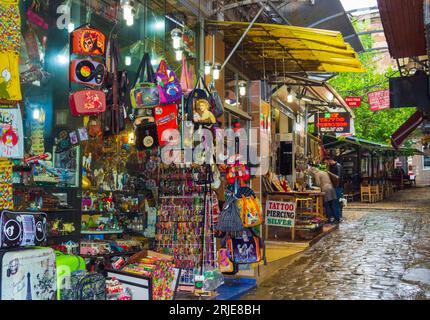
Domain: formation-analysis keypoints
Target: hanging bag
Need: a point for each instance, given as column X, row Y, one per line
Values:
column 229, row 219
column 245, row 248
column 169, row 88
column 144, row 92
column 87, row 41
column 217, row 104
column 114, row 119
column 87, row 102
column 250, row 207
column 187, row 76
column 199, row 104
column 166, row 117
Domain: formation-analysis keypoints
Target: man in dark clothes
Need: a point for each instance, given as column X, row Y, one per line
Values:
column 337, row 169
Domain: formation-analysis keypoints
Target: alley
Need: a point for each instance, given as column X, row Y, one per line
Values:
column 381, row 251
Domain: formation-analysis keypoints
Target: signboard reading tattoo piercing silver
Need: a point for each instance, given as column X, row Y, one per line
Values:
column 280, row 214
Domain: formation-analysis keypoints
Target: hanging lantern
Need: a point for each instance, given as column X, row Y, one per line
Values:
column 177, row 38
column 178, row 54
column 127, row 60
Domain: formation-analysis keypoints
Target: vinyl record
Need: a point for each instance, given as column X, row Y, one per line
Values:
column 40, row 226
column 12, row 232
column 85, row 70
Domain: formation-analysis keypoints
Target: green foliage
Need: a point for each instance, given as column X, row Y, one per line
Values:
column 375, row 126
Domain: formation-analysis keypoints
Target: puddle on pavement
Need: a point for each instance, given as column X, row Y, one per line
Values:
column 421, row 275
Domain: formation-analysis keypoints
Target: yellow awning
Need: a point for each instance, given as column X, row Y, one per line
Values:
column 289, row 48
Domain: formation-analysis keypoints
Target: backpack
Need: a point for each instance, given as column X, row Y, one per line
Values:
column 200, row 104
column 229, row 219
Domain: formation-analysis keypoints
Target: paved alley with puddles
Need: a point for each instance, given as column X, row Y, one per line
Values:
column 381, row 251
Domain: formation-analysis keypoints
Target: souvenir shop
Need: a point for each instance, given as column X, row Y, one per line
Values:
column 108, row 176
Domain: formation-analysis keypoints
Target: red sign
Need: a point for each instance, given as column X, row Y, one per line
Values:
column 353, row 102
column 379, row 100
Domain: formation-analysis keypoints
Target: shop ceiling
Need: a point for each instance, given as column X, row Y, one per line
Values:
column 285, row 49
column 321, row 96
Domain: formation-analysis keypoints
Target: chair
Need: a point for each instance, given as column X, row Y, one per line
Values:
column 367, row 195
column 374, row 190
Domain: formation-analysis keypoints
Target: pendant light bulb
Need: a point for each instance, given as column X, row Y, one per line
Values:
column 216, row 71
column 242, row 88
column 208, row 67
column 127, row 60
column 290, row 96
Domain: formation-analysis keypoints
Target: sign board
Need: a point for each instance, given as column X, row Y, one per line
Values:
column 353, row 102
column 333, row 122
column 280, row 213
column 379, row 100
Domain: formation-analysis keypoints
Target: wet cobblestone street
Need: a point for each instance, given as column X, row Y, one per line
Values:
column 381, row 253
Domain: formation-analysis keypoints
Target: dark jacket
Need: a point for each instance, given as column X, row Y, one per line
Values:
column 337, row 169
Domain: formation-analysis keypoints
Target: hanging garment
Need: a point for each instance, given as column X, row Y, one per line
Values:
column 11, row 133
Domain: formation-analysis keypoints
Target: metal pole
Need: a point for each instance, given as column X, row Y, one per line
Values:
column 306, row 128
column 241, row 38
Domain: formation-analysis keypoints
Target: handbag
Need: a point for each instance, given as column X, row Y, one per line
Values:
column 229, row 219
column 187, row 76
column 87, row 102
column 166, row 117
column 169, row 88
column 144, row 92
column 245, row 248
column 217, row 105
column 146, row 135
column 199, row 104
column 114, row 118
column 87, row 41
column 250, row 208
column 225, row 264
column 86, row 71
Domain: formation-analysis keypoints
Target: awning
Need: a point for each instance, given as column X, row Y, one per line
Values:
column 406, row 129
column 290, row 49
column 332, row 142
column 403, row 23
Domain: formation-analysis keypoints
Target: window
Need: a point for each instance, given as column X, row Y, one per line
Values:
column 426, row 162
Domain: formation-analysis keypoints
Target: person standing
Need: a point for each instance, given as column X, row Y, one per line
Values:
column 337, row 169
column 322, row 180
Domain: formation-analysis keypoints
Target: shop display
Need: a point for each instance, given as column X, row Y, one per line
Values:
column 116, row 291
column 28, row 274
column 149, row 272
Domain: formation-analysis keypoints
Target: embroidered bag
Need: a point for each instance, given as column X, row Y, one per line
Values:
column 169, row 88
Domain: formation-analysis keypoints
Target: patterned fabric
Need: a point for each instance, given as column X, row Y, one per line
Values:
column 10, row 26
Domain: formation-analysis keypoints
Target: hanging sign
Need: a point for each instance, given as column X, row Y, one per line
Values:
column 379, row 100
column 280, row 214
column 333, row 122
column 353, row 102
